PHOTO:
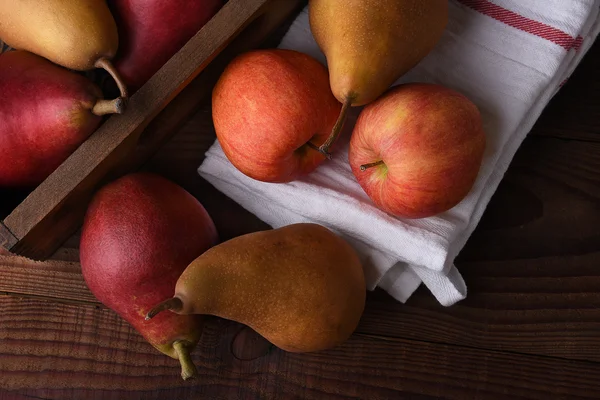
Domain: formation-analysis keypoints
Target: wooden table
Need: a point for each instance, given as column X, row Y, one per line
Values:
column 530, row 327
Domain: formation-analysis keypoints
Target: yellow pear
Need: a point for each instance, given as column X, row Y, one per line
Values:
column 77, row 34
column 369, row 44
column 301, row 286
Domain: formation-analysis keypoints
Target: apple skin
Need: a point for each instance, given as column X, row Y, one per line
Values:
column 266, row 106
column 431, row 141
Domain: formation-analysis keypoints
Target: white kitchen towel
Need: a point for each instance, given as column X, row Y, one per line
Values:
column 509, row 57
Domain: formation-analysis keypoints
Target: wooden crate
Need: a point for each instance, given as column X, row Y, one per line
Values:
column 54, row 210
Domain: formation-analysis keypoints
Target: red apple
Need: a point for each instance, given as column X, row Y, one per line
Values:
column 270, row 109
column 417, row 150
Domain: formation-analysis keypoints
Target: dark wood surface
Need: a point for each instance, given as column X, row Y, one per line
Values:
column 529, row 329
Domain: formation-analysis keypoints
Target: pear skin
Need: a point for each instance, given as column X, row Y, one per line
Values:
column 46, row 113
column 152, row 31
column 369, row 44
column 77, row 34
column 301, row 286
column 139, row 234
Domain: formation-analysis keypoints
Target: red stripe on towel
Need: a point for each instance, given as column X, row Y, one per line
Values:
column 524, row 24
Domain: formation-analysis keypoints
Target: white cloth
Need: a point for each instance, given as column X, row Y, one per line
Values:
column 509, row 57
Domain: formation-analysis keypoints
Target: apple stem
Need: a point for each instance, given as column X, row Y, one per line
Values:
column 188, row 369
column 312, row 146
column 369, row 165
column 104, row 107
column 173, row 304
column 106, row 65
column 337, row 128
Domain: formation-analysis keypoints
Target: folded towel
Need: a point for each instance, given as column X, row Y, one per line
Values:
column 509, row 57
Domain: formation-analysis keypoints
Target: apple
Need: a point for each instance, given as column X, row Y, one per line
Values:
column 272, row 109
column 416, row 151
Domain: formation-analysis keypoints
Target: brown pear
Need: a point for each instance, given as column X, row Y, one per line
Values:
column 300, row 286
column 369, row 44
column 78, row 34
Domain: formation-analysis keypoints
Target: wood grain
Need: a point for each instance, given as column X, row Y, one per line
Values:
column 111, row 356
column 58, row 280
column 54, row 210
column 549, row 204
column 7, row 239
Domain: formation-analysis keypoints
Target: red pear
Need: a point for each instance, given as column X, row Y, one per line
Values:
column 271, row 110
column 152, row 31
column 416, row 151
column 139, row 234
column 46, row 112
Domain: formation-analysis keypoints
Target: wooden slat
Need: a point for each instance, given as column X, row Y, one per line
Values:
column 547, row 316
column 39, row 359
column 58, row 280
column 7, row 239
column 6, row 395
column 55, row 208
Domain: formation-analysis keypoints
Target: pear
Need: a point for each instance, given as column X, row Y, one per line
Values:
column 46, row 113
column 300, row 286
column 77, row 34
column 139, row 234
column 152, row 31
column 369, row 44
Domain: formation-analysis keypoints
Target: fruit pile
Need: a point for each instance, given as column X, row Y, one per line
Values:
column 416, row 148
column 149, row 250
column 50, row 104
column 148, row 246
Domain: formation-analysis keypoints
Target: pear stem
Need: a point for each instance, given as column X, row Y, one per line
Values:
column 104, row 107
column 188, row 369
column 369, row 165
column 337, row 128
column 106, row 65
column 173, row 304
